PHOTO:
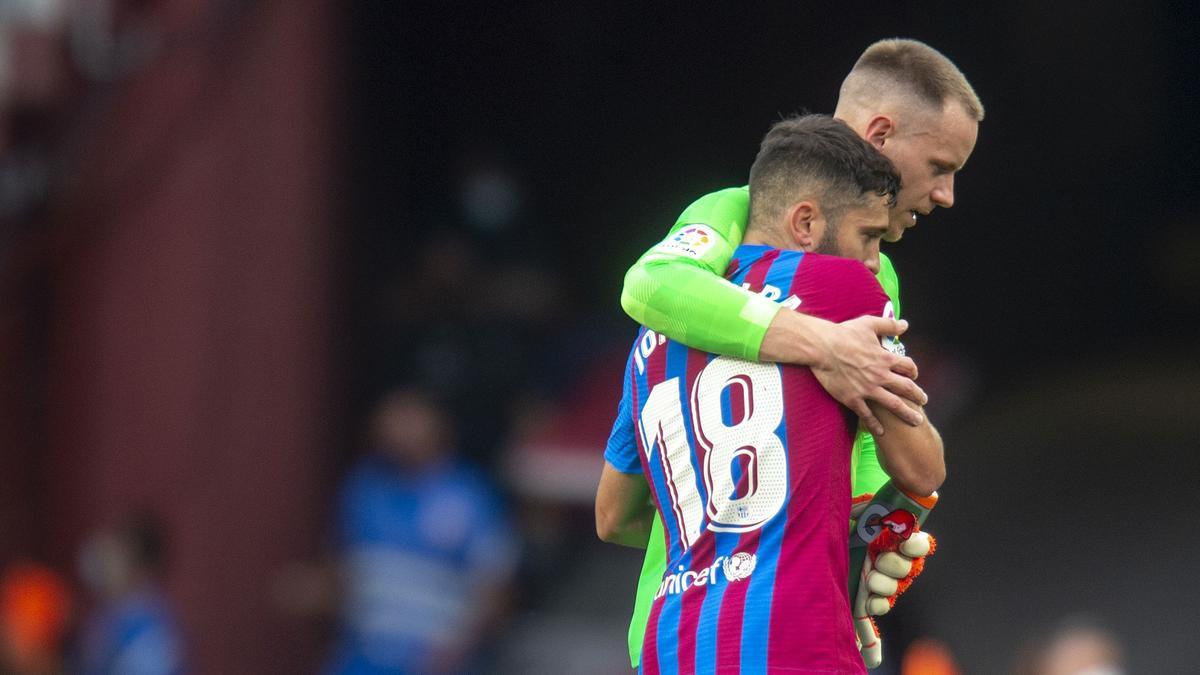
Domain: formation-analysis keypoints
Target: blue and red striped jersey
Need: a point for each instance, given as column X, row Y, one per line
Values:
column 749, row 465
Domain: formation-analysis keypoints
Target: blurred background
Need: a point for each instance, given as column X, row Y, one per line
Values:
column 278, row 280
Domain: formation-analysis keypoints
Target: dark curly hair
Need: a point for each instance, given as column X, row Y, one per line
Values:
column 817, row 157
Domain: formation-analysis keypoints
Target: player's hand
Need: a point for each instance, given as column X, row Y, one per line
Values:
column 886, row 576
column 855, row 369
column 894, row 571
column 866, row 633
column 893, row 561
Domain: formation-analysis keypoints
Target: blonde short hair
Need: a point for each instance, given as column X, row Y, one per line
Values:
column 913, row 68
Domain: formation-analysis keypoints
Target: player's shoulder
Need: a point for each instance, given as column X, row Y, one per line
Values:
column 844, row 278
column 820, row 265
column 734, row 195
column 836, row 288
column 717, row 207
column 768, row 265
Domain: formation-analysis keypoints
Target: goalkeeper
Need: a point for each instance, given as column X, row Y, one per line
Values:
column 915, row 105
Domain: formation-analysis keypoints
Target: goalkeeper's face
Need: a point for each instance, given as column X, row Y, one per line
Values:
column 927, row 150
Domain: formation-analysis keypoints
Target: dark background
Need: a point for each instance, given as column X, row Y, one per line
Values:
column 1068, row 215
column 218, row 251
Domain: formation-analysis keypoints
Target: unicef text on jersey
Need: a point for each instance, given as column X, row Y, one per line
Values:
column 736, row 567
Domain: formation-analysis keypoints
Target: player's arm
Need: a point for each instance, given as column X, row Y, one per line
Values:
column 912, row 456
column 677, row 289
column 624, row 513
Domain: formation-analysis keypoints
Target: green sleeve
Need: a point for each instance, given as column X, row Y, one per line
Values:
column 865, row 472
column 678, row 289
column 653, row 568
column 868, row 475
column 890, row 282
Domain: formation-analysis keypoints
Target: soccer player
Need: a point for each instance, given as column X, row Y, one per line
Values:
column 917, row 108
column 748, row 462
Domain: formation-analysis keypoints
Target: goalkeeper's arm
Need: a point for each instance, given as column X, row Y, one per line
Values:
column 676, row 289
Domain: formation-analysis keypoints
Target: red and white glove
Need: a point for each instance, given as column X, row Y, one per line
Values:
column 894, row 559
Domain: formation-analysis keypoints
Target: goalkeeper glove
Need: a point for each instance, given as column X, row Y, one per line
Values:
column 895, row 557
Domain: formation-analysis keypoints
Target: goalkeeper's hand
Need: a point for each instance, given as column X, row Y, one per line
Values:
column 892, row 571
column 890, row 567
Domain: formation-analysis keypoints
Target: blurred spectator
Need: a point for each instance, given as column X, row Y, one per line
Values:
column 35, row 606
column 928, row 656
column 425, row 550
column 1079, row 646
column 132, row 628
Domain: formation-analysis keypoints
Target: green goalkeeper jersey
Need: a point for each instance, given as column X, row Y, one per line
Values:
column 678, row 289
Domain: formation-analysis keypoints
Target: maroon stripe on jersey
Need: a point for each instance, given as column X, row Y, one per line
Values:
column 703, row 551
column 759, row 268
column 815, row 533
column 690, row 606
column 734, row 266
column 733, row 610
column 818, row 437
column 650, row 640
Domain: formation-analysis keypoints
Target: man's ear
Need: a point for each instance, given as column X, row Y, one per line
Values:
column 879, row 129
column 802, row 216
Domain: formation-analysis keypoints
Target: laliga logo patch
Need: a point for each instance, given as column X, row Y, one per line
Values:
column 890, row 343
column 895, row 346
column 692, row 240
column 739, row 565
